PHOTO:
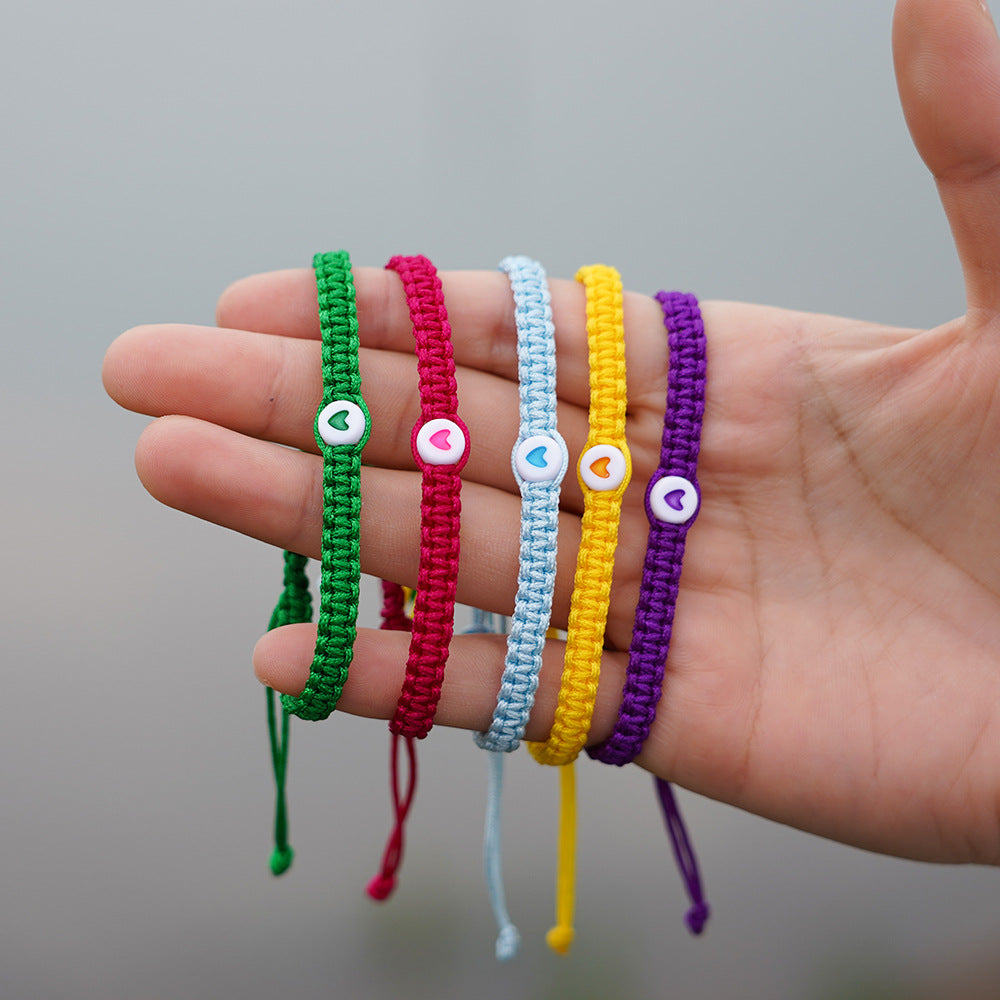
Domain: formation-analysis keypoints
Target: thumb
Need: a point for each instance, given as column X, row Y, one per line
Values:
column 947, row 58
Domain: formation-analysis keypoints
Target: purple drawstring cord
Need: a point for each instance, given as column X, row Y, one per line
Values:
column 687, row 860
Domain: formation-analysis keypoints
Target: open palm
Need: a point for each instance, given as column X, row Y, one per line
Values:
column 834, row 663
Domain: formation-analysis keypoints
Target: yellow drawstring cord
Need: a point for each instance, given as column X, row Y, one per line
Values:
column 560, row 937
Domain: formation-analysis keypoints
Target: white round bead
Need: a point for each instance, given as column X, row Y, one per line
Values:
column 603, row 467
column 673, row 499
column 341, row 422
column 538, row 459
column 440, row 442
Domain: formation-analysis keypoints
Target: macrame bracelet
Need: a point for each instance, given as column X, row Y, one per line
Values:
column 604, row 471
column 539, row 460
column 440, row 446
column 672, row 504
column 341, row 428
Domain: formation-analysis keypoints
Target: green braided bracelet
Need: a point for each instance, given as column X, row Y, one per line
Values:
column 341, row 428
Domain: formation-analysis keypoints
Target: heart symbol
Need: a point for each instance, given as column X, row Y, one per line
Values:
column 440, row 439
column 339, row 420
column 675, row 499
column 600, row 467
column 537, row 457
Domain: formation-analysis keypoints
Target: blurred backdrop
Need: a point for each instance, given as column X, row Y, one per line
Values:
column 151, row 154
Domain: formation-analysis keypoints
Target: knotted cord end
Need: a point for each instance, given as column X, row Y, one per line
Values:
column 560, row 938
column 508, row 943
column 281, row 860
column 697, row 917
column 381, row 887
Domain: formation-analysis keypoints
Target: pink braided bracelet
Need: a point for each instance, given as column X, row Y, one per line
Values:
column 440, row 445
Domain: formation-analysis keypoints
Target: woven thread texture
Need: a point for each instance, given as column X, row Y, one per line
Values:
column 592, row 582
column 440, row 505
column 654, row 615
column 536, row 363
column 661, row 575
column 599, row 536
column 340, row 565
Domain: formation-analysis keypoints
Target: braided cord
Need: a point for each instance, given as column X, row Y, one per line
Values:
column 539, row 460
column 294, row 607
column 440, row 505
column 440, row 445
column 508, row 937
column 340, row 563
column 604, row 470
column 661, row 573
column 381, row 887
column 560, row 937
column 341, row 428
column 672, row 503
column 602, row 507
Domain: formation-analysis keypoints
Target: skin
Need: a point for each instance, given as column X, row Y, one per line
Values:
column 834, row 664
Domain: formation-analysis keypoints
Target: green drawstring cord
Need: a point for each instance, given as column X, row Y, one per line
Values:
column 281, row 856
column 294, row 606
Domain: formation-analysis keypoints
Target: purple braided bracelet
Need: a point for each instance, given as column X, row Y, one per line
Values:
column 672, row 503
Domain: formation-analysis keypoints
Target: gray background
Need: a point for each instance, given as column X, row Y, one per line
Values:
column 150, row 154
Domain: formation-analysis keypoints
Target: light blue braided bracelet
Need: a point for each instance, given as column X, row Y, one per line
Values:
column 539, row 461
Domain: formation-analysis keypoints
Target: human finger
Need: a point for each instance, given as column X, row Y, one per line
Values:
column 283, row 656
column 947, row 58
column 269, row 387
column 274, row 494
column 480, row 311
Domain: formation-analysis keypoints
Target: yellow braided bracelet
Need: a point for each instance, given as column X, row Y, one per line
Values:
column 604, row 471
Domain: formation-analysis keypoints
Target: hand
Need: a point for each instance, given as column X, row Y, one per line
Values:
column 835, row 663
